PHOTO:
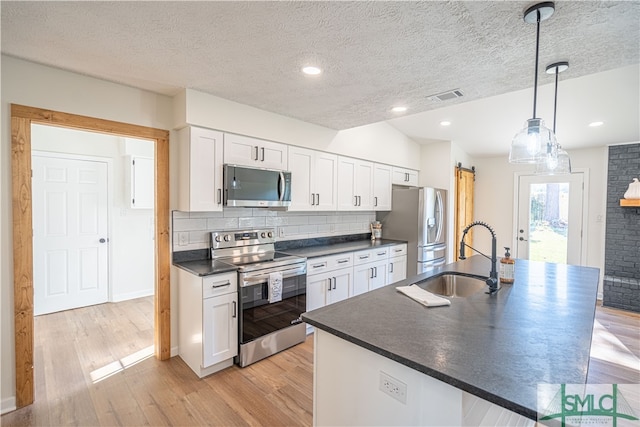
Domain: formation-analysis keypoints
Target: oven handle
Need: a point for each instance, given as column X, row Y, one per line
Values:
column 248, row 279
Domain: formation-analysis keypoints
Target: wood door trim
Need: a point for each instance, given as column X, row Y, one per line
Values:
column 21, row 119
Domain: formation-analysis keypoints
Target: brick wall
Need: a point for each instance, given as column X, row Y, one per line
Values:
column 621, row 287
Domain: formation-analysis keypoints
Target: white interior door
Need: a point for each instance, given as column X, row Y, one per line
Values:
column 70, row 252
column 549, row 218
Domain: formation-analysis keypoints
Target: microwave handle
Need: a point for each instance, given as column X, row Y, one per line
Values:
column 281, row 186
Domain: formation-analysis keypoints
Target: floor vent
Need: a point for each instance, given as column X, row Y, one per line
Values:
column 446, row 96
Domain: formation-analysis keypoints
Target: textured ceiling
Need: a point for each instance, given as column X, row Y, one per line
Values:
column 374, row 54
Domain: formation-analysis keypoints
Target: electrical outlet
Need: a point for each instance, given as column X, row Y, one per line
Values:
column 393, row 387
column 183, row 239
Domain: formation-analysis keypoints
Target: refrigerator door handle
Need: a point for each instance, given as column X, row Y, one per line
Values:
column 440, row 215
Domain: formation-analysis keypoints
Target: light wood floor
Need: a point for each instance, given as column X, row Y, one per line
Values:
column 274, row 392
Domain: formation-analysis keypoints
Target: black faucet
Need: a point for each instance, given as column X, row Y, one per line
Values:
column 492, row 280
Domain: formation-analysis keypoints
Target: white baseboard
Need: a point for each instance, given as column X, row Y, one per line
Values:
column 7, row 405
column 132, row 295
column 174, row 351
column 600, row 296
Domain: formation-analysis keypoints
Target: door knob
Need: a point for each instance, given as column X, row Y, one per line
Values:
column 522, row 231
column 522, row 239
column 102, row 240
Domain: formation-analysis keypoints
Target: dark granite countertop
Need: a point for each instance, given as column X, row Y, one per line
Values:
column 338, row 248
column 498, row 347
column 205, row 267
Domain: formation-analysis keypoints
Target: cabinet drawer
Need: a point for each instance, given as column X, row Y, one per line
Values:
column 328, row 263
column 398, row 250
column 371, row 255
column 219, row 284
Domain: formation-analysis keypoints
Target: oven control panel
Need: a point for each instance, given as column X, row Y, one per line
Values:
column 236, row 238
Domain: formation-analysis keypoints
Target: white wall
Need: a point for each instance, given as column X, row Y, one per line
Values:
column 44, row 87
column 131, row 231
column 378, row 142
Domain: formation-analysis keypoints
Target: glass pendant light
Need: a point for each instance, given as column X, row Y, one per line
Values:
column 530, row 144
column 557, row 160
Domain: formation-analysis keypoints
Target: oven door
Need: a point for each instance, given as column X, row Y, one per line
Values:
column 257, row 316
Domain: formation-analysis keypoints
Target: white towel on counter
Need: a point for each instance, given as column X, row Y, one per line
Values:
column 275, row 287
column 428, row 299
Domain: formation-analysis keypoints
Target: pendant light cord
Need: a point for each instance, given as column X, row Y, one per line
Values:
column 535, row 75
column 555, row 101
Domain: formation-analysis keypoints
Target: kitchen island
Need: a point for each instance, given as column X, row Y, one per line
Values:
column 478, row 360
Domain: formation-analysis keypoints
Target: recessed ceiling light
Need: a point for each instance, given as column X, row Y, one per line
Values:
column 596, row 124
column 312, row 71
column 399, row 109
column 445, row 123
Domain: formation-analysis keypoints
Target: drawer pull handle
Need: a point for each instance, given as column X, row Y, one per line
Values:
column 319, row 265
column 381, row 253
column 342, row 261
column 221, row 286
column 234, row 309
column 364, row 256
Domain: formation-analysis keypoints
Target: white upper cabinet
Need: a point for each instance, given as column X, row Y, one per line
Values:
column 141, row 177
column 200, row 159
column 253, row 152
column 314, row 177
column 402, row 176
column 382, row 187
column 355, row 184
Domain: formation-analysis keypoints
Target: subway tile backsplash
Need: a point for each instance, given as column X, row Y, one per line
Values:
column 191, row 229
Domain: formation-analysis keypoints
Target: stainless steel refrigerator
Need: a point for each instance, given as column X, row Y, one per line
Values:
column 419, row 216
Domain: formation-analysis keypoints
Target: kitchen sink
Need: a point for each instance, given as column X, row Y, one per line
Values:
column 454, row 285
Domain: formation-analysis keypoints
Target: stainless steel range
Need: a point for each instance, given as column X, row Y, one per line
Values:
column 272, row 289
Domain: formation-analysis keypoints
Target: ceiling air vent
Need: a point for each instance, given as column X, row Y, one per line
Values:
column 446, row 96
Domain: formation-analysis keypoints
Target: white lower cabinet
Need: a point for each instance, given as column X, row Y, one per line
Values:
column 337, row 277
column 397, row 269
column 329, row 279
column 207, row 321
column 367, row 277
column 327, row 288
column 220, row 329
column 397, row 266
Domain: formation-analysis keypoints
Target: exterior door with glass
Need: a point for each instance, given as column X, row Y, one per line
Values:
column 549, row 218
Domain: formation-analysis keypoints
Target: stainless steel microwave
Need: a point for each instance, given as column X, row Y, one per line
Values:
column 253, row 187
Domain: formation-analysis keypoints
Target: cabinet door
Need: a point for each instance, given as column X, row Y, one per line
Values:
column 200, row 180
column 142, row 188
column 382, row 188
column 346, row 184
column 413, row 177
column 272, row 155
column 247, row 151
column 402, row 176
column 220, row 328
column 362, row 274
column 241, row 150
column 325, row 179
column 317, row 288
column 340, row 282
column 397, row 269
column 364, row 185
column 379, row 277
column 301, row 161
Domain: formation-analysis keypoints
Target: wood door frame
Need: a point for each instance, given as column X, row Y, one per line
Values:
column 21, row 119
